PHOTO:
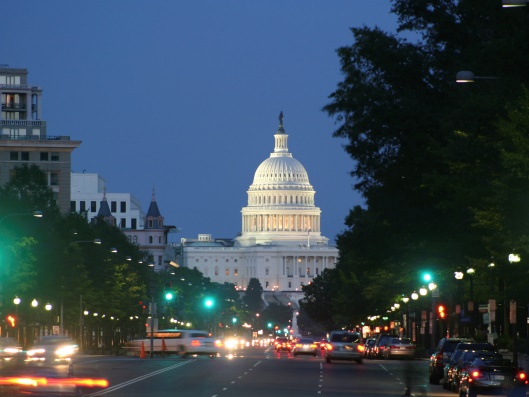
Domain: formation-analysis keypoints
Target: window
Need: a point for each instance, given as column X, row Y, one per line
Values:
column 160, row 260
column 44, row 156
column 72, row 206
column 113, row 206
column 82, row 206
column 150, row 239
column 267, row 284
column 123, row 206
column 227, row 260
column 24, row 156
column 267, row 272
column 123, row 223
column 235, row 272
column 54, row 179
column 133, row 223
column 54, row 156
column 290, row 284
column 135, row 239
column 13, row 156
column 235, row 260
column 93, row 206
column 227, row 272
column 216, row 270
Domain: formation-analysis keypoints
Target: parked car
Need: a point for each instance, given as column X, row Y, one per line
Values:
column 399, row 347
column 446, row 380
column 283, row 343
column 493, row 375
column 440, row 357
column 344, row 345
column 305, row 346
column 465, row 360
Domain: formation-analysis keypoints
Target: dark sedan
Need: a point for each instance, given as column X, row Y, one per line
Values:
column 489, row 376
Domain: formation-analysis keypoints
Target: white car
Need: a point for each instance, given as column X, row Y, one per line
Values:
column 344, row 345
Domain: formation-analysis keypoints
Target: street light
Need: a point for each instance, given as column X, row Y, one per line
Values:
column 466, row 76
column 513, row 3
column 36, row 214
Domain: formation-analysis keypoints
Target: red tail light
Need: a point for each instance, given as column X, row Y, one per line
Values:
column 361, row 348
column 195, row 342
column 522, row 376
column 33, row 381
column 329, row 346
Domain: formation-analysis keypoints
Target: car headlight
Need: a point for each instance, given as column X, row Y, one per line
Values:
column 66, row 351
column 34, row 352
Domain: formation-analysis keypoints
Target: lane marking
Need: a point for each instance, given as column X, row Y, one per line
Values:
column 138, row 379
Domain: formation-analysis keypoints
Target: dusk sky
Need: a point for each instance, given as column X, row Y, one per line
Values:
column 184, row 96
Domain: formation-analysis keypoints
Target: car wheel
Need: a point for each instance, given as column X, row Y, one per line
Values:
column 359, row 361
column 182, row 351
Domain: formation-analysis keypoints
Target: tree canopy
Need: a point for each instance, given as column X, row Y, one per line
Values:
column 442, row 167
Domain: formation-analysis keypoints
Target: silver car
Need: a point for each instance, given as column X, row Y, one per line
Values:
column 399, row 347
column 344, row 345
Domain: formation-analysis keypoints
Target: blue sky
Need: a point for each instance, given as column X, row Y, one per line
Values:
column 184, row 96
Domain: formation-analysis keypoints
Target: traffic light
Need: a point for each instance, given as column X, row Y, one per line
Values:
column 209, row 302
column 11, row 321
column 427, row 277
column 269, row 325
column 234, row 320
column 169, row 296
column 441, row 311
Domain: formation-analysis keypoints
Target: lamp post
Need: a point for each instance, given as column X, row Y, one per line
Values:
column 36, row 214
column 17, row 301
column 34, row 304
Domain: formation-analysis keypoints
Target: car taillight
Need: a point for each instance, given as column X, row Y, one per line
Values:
column 40, row 381
column 298, row 345
column 522, row 376
column 195, row 342
column 361, row 348
column 329, row 346
column 475, row 374
column 393, row 347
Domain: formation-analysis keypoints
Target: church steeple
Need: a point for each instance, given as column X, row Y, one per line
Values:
column 153, row 219
column 104, row 213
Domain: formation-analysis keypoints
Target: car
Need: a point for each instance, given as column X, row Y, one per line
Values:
column 305, row 346
column 182, row 342
column 446, row 380
column 399, row 347
column 380, row 344
column 493, row 375
column 440, row 357
column 464, row 361
column 9, row 348
column 344, row 345
column 51, row 349
column 369, row 347
column 282, row 343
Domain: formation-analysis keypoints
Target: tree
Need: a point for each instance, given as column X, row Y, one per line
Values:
column 253, row 297
column 428, row 156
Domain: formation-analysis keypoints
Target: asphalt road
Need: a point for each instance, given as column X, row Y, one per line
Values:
column 257, row 372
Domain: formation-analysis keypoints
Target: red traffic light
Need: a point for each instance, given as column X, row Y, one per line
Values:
column 11, row 321
column 441, row 311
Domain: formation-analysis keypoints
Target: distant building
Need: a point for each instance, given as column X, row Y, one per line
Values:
column 24, row 139
column 87, row 193
column 123, row 210
column 281, row 242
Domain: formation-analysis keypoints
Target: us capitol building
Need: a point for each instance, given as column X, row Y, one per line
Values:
column 281, row 242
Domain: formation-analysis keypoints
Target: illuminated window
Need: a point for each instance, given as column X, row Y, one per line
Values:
column 227, row 272
column 235, row 272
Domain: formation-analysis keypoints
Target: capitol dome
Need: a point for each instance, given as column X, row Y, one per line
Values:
column 281, row 208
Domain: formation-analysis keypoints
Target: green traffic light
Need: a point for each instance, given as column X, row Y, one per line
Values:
column 169, row 296
column 234, row 320
column 269, row 325
column 209, row 302
column 427, row 277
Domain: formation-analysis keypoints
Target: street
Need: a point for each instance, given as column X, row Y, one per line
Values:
column 256, row 372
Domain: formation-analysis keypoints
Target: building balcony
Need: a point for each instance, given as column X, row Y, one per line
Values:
column 22, row 123
column 14, row 106
column 6, row 137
